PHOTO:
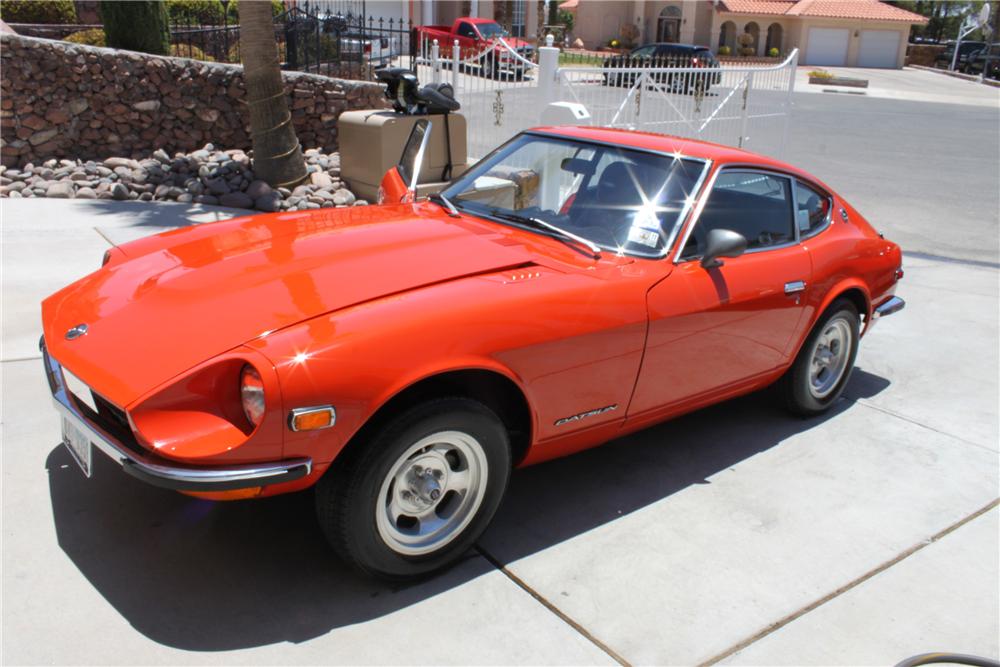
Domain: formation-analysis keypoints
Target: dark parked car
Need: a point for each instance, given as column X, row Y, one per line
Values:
column 943, row 59
column 977, row 61
column 666, row 55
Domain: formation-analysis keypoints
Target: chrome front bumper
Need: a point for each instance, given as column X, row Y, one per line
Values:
column 892, row 305
column 158, row 471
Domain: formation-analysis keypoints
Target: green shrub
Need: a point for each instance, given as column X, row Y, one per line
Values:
column 725, row 50
column 189, row 51
column 38, row 11
column 820, row 74
column 566, row 18
column 210, row 12
column 773, row 52
column 92, row 37
column 138, row 25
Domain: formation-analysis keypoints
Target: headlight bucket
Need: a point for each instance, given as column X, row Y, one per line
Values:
column 252, row 395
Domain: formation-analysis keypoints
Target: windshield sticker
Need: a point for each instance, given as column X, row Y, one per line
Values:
column 645, row 218
column 646, row 237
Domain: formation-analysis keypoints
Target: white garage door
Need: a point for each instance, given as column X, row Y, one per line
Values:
column 879, row 48
column 827, row 46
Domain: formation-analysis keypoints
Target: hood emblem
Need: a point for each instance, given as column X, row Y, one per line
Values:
column 76, row 332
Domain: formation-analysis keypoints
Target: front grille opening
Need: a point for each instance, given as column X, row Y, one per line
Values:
column 112, row 420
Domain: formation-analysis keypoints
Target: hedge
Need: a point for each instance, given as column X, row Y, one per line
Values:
column 38, row 11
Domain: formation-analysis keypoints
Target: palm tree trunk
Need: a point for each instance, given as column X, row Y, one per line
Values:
column 277, row 155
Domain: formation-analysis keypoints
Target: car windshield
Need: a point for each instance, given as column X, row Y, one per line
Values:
column 625, row 201
column 491, row 30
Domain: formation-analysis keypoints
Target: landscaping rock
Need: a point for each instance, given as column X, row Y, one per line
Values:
column 60, row 190
column 343, row 197
column 258, row 189
column 205, row 176
column 236, row 200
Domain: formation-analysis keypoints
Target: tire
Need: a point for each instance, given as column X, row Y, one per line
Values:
column 811, row 388
column 437, row 449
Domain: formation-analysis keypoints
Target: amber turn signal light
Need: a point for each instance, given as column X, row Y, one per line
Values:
column 312, row 419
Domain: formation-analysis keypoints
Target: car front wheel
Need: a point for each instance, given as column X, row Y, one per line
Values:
column 416, row 497
column 823, row 367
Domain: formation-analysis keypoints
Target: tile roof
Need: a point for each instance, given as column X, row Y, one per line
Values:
column 867, row 10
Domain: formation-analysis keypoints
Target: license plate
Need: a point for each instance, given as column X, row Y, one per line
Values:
column 78, row 444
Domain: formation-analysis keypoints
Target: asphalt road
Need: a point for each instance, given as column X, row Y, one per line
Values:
column 927, row 174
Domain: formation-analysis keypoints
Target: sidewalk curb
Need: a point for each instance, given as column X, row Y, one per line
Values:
column 957, row 75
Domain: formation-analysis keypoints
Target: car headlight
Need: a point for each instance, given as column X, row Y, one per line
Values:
column 252, row 395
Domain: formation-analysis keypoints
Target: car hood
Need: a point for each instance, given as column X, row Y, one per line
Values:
column 169, row 302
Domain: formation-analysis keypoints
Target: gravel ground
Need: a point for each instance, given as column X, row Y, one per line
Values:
column 206, row 176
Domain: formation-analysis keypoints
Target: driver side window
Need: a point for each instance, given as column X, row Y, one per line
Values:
column 466, row 30
column 754, row 204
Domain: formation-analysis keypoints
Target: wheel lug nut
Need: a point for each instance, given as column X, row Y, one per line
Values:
column 418, row 470
column 435, row 494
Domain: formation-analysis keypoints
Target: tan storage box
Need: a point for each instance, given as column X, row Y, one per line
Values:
column 372, row 141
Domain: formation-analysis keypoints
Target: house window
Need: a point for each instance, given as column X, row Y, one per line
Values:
column 517, row 18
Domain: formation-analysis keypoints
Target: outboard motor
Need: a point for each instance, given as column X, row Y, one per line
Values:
column 409, row 99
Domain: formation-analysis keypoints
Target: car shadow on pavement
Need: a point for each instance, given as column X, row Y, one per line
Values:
column 206, row 576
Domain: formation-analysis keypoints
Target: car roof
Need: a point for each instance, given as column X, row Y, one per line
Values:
column 672, row 45
column 664, row 143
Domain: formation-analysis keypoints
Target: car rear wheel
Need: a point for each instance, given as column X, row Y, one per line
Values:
column 824, row 364
column 416, row 497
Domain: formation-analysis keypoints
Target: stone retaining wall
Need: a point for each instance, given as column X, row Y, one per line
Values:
column 61, row 100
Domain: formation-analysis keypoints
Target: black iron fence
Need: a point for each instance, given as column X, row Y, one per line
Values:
column 320, row 37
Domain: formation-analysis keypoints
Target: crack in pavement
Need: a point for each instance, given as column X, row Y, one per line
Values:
column 854, row 583
column 568, row 620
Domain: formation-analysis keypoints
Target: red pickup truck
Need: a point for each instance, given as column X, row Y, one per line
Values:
column 480, row 40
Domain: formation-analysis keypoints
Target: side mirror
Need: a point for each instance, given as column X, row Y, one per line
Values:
column 722, row 243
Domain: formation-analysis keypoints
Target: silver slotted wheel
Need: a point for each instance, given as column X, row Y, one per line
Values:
column 431, row 493
column 817, row 377
column 830, row 354
column 414, row 495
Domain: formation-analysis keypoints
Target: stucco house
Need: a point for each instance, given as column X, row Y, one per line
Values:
column 857, row 33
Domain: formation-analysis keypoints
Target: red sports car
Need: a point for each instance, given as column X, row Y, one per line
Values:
column 575, row 285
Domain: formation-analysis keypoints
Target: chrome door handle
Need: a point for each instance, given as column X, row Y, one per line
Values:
column 795, row 286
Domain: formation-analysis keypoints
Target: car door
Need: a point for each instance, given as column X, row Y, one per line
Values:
column 712, row 330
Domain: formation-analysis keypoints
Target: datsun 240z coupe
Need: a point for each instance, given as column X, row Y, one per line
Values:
column 573, row 286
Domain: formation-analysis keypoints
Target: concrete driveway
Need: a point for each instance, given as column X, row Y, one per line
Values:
column 910, row 84
column 736, row 534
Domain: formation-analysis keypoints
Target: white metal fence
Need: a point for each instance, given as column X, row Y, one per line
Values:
column 742, row 106
column 495, row 85
column 503, row 93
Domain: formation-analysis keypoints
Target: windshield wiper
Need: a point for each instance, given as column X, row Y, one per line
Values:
column 439, row 198
column 558, row 231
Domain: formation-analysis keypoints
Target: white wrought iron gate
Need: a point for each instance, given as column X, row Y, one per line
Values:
column 744, row 105
column 497, row 87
